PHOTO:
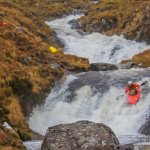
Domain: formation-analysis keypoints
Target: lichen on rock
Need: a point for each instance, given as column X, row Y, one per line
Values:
column 81, row 135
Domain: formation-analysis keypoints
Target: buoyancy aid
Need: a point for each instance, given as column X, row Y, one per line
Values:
column 132, row 89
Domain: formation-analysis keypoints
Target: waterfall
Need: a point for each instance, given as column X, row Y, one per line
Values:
column 94, row 95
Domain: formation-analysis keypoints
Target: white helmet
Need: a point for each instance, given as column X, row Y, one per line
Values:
column 130, row 82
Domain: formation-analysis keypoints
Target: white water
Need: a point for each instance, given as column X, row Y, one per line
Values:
column 33, row 145
column 95, row 46
column 88, row 104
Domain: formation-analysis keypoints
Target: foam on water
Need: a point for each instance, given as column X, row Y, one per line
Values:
column 33, row 145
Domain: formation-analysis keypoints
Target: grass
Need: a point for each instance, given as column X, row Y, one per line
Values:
column 128, row 15
column 26, row 75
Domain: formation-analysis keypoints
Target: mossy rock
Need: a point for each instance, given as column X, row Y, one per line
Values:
column 9, row 139
column 20, row 85
column 140, row 60
column 16, row 118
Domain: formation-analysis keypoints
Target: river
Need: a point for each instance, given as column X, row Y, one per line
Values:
column 95, row 96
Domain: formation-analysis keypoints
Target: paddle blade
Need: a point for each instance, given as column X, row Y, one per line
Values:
column 144, row 83
column 119, row 97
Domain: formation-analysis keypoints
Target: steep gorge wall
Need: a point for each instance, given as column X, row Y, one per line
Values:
column 28, row 70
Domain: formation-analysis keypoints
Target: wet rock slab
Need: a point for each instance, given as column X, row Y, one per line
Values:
column 102, row 67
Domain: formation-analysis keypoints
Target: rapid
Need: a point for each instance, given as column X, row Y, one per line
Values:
column 95, row 96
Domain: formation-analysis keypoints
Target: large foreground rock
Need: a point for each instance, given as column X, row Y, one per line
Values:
column 82, row 135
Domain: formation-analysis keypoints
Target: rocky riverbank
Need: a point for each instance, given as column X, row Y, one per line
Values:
column 28, row 69
column 140, row 60
column 130, row 18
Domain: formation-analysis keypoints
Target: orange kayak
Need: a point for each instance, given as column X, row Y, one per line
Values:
column 133, row 99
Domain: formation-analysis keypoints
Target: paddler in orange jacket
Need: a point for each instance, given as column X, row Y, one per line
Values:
column 132, row 88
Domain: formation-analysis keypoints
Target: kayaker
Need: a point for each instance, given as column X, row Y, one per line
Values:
column 131, row 88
